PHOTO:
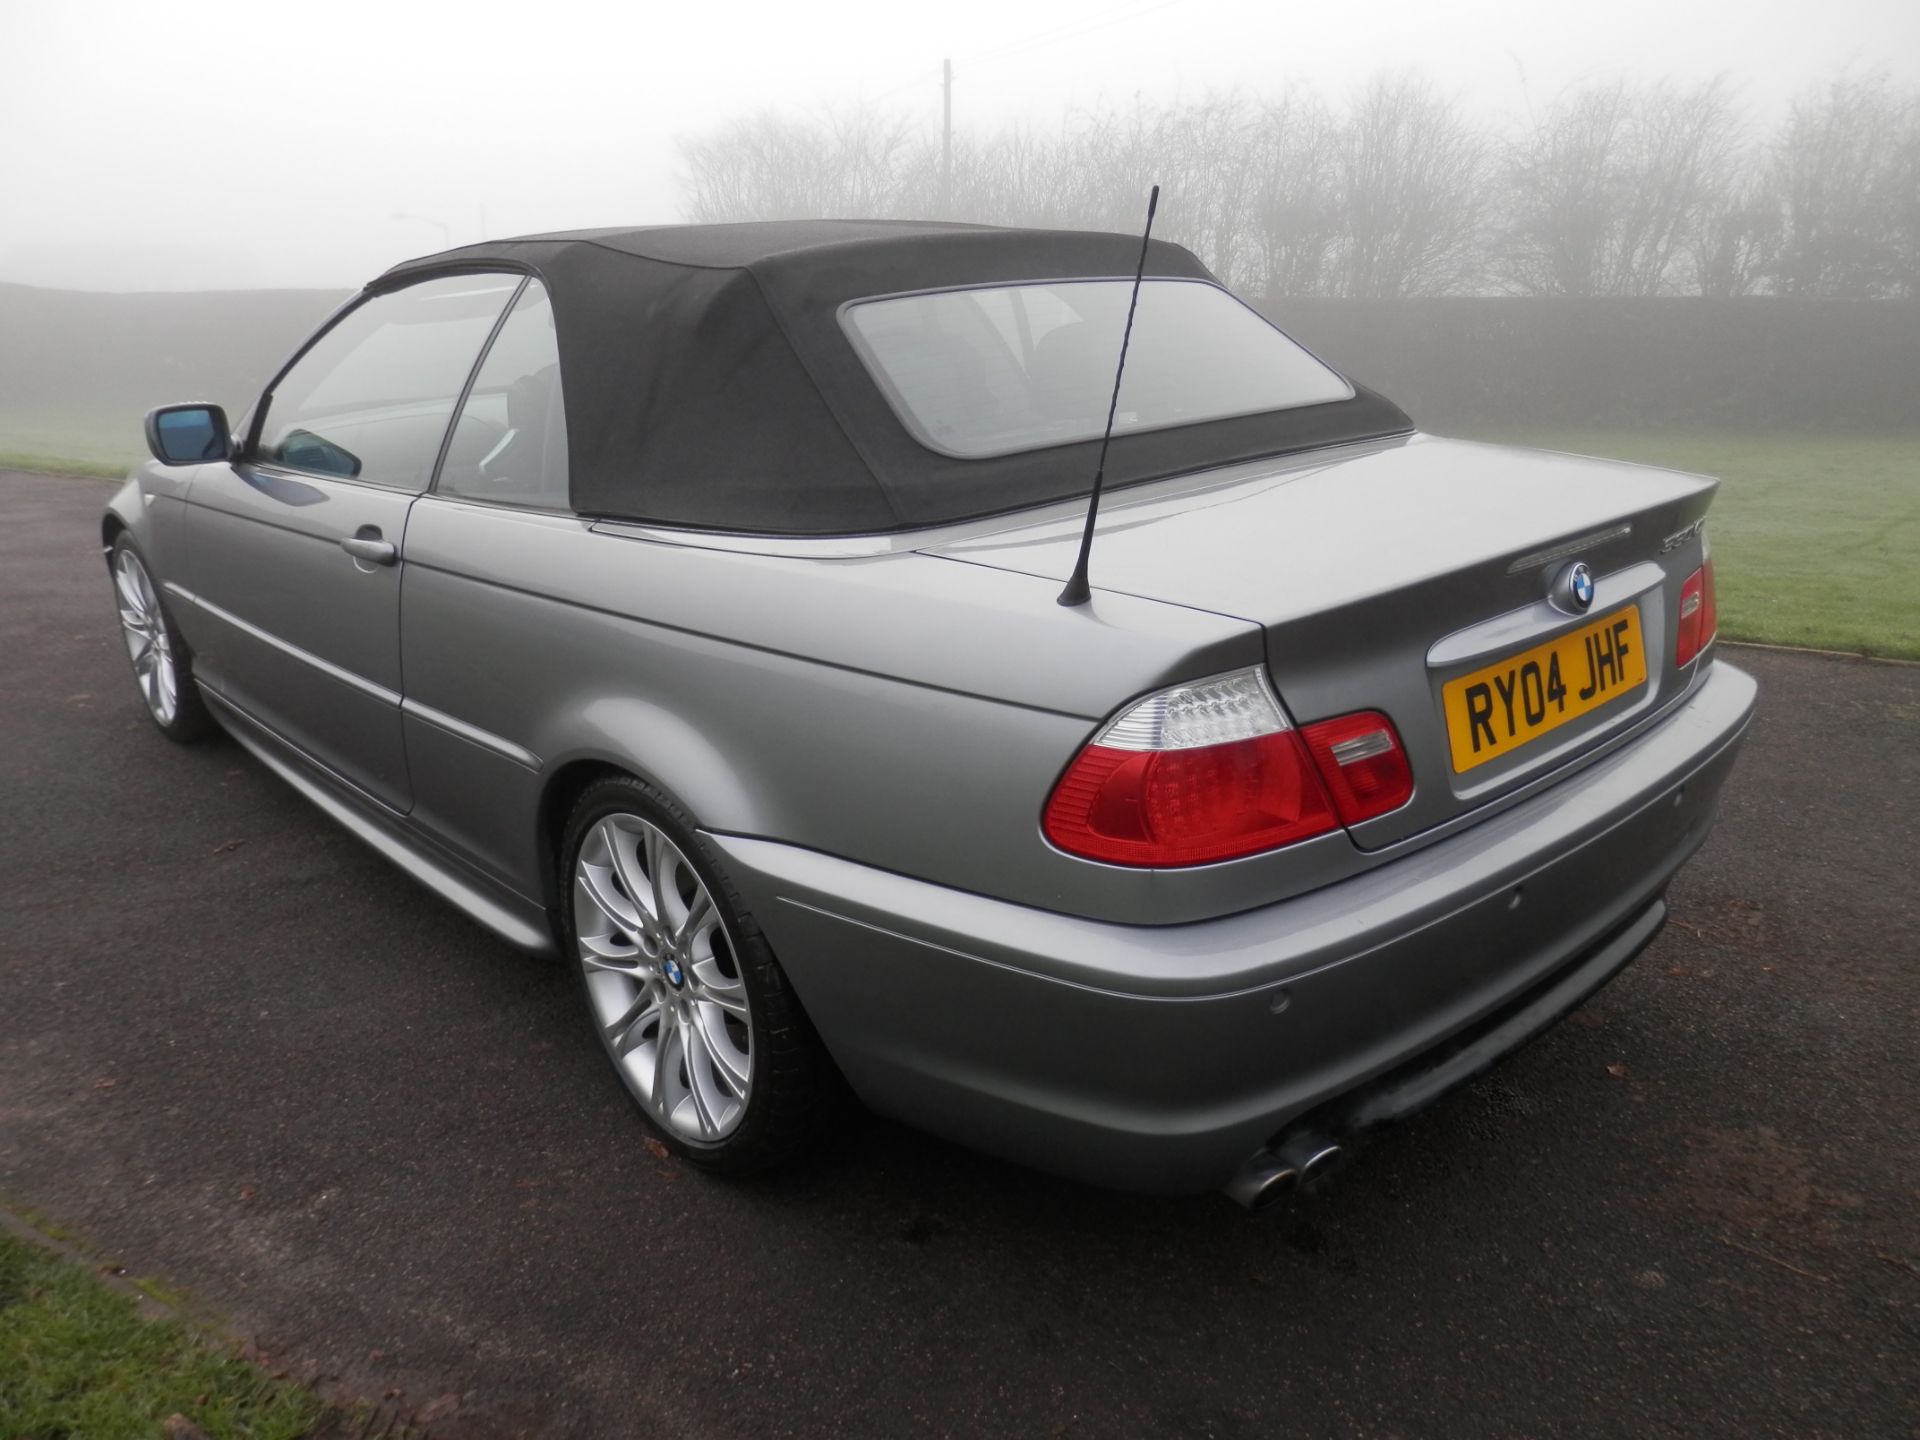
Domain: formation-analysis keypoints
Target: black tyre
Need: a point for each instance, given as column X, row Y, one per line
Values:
column 162, row 664
column 679, row 985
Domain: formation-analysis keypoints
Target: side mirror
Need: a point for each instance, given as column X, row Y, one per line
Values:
column 188, row 434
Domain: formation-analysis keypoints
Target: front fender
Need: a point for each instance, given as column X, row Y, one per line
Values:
column 125, row 511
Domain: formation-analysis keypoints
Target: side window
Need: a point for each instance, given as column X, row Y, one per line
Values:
column 510, row 444
column 371, row 400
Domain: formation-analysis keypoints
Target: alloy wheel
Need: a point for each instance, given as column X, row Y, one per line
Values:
column 149, row 644
column 663, row 978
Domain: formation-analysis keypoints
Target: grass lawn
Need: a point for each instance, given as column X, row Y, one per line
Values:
column 83, row 440
column 77, row 1359
column 1816, row 538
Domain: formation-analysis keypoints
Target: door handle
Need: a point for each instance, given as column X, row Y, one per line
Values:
column 366, row 544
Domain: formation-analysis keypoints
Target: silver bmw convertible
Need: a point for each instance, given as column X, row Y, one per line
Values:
column 687, row 601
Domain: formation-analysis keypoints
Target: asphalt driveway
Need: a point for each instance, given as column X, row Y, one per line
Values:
column 239, row 1050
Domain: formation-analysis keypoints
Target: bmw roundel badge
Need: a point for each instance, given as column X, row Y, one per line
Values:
column 1573, row 589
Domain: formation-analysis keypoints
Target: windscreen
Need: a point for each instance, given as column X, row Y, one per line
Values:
column 982, row 372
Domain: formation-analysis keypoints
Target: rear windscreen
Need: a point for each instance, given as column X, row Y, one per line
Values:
column 982, row 372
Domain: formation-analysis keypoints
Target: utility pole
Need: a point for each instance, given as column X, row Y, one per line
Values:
column 946, row 140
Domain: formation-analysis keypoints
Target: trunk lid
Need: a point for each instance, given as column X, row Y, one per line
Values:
column 1379, row 574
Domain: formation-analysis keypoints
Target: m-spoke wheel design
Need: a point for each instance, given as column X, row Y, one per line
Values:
column 148, row 642
column 663, row 978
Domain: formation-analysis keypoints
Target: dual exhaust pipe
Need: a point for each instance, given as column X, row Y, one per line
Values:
column 1285, row 1165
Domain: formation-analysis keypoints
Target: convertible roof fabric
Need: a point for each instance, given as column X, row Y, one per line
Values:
column 708, row 382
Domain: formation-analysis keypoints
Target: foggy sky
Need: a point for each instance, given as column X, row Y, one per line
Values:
column 177, row 145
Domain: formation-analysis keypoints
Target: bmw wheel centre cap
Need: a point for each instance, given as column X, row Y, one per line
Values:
column 1573, row 589
column 675, row 976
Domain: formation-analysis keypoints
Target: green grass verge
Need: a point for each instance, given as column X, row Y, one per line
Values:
column 77, row 1359
column 90, row 441
column 1816, row 538
column 60, row 465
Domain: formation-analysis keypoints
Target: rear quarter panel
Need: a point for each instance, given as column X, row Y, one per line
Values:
column 899, row 710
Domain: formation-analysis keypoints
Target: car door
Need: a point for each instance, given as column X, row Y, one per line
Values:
column 296, row 549
column 481, row 647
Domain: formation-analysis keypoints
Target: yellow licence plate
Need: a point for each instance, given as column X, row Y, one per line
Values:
column 1498, row 709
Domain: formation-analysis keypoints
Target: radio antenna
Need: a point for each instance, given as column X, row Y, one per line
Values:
column 1076, row 591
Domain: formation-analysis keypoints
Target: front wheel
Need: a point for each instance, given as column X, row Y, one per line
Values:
column 162, row 665
column 687, row 1000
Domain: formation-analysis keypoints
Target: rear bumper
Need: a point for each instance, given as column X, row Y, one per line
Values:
column 1161, row 1058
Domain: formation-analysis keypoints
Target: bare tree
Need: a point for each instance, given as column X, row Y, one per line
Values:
column 1617, row 189
column 847, row 161
column 1846, row 166
column 1296, row 221
column 1609, row 190
column 1736, row 240
column 1412, row 191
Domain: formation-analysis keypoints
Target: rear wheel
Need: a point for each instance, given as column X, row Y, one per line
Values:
column 162, row 665
column 688, row 1002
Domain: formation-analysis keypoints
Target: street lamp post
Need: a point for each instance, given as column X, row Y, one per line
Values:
column 446, row 235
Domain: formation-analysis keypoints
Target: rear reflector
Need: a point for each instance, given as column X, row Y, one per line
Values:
column 1698, row 617
column 1194, row 774
column 1709, row 611
column 1360, row 759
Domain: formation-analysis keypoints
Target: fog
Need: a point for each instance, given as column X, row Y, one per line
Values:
column 236, row 146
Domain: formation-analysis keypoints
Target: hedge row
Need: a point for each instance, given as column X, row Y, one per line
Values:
column 1681, row 363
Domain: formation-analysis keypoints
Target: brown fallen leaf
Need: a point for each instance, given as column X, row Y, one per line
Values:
column 1617, row 1069
column 1680, row 972
column 657, row 1148
column 437, row 1409
column 105, row 1083
column 1894, row 1262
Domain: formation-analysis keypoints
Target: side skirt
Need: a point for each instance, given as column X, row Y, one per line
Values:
column 510, row 916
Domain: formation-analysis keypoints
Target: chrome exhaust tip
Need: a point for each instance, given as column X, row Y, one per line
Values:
column 1262, row 1182
column 1313, row 1157
column 1293, row 1163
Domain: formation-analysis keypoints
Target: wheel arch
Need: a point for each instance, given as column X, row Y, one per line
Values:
column 558, row 795
column 119, row 516
column 668, row 755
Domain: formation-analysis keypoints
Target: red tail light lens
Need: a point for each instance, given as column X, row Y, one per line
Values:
column 1188, row 807
column 1696, row 615
column 1199, row 773
column 1360, row 759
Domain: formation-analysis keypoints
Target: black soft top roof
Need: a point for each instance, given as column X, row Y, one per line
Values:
column 708, row 382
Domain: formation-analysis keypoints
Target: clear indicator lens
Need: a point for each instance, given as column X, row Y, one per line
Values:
column 1209, row 712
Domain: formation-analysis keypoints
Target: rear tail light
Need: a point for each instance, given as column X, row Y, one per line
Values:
column 1361, row 761
column 1699, row 618
column 1212, row 771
